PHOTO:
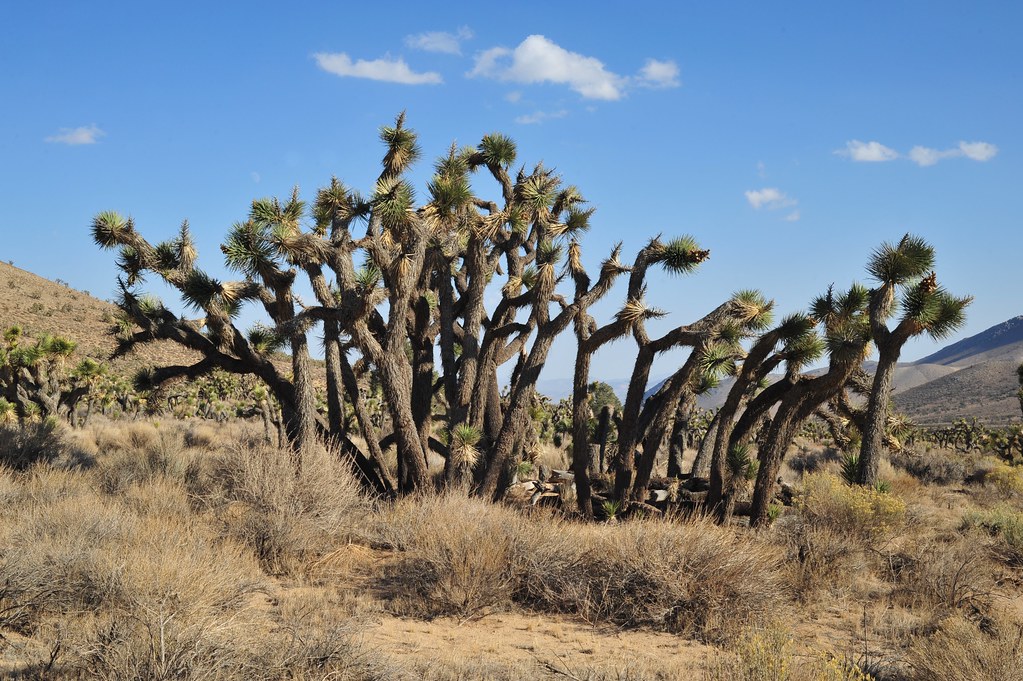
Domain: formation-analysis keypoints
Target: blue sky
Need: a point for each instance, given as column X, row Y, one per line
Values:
column 789, row 138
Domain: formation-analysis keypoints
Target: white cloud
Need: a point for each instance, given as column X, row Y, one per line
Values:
column 513, row 96
column 868, row 152
column 383, row 69
column 659, row 74
column 770, row 198
column 761, row 170
column 978, row 151
column 539, row 60
column 925, row 156
column 86, row 134
column 440, row 41
column 793, row 216
column 540, row 117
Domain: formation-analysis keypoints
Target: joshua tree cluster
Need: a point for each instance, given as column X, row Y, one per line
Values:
column 400, row 292
column 37, row 381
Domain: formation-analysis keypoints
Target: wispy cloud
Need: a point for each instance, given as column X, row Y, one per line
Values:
column 385, row 69
column 975, row 151
column 770, row 198
column 920, row 155
column 793, row 216
column 659, row 74
column 868, row 152
column 86, row 134
column 440, row 41
column 540, row 117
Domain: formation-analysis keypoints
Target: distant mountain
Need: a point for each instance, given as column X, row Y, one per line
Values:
column 1002, row 342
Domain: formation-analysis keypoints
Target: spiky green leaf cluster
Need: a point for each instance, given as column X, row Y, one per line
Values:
column 899, row 263
column 108, row 229
column 247, row 249
column 264, row 339
column 680, row 255
column 402, row 146
column 936, row 311
column 201, row 291
column 497, row 150
column 741, row 466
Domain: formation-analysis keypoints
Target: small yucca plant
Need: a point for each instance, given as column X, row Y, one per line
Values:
column 464, row 439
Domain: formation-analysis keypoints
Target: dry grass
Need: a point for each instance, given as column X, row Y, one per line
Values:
column 960, row 649
column 183, row 551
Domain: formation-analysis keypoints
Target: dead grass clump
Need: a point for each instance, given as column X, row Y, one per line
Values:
column 692, row 578
column 944, row 574
column 202, row 436
column 458, row 555
column 47, row 442
column 960, row 649
column 288, row 520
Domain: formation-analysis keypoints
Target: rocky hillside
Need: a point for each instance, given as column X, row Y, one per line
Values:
column 40, row 306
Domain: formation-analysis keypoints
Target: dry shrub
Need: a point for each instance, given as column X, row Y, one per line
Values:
column 148, row 453
column 159, row 496
column 464, row 557
column 287, row 519
column 820, row 557
column 960, row 649
column 1003, row 523
column 693, row 578
column 458, row 555
column 944, row 573
column 48, row 442
column 937, row 466
column 1007, row 480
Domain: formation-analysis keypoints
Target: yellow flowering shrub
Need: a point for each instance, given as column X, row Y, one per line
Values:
column 769, row 655
column 863, row 511
column 1008, row 480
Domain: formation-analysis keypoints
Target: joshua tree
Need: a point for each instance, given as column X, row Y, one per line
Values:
column 847, row 339
column 926, row 308
column 795, row 335
column 34, row 378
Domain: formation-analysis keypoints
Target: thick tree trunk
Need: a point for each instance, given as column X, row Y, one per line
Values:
column 628, row 436
column 581, row 433
column 303, row 435
column 872, row 445
column 396, row 380
column 332, row 360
